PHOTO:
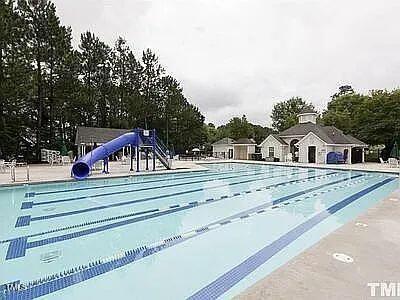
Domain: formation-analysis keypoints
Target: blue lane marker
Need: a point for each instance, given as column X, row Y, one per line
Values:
column 23, row 221
column 117, row 204
column 73, row 276
column 143, row 189
column 29, row 194
column 222, row 284
column 17, row 248
column 192, row 205
column 93, row 230
column 208, row 173
column 26, row 205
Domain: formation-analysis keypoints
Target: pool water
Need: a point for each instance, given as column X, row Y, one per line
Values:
column 199, row 235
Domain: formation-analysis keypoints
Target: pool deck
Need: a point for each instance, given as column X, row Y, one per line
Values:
column 44, row 173
column 315, row 274
column 41, row 173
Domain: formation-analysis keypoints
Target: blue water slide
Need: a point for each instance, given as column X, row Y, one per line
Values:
column 81, row 168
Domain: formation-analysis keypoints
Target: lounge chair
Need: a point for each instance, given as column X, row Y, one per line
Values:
column 393, row 162
column 382, row 161
column 2, row 165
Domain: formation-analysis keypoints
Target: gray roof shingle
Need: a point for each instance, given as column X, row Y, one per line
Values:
column 245, row 141
column 329, row 134
column 97, row 135
column 224, row 141
column 279, row 139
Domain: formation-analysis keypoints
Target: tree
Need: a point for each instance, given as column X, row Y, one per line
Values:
column 343, row 90
column 342, row 112
column 15, row 82
column 260, row 133
column 48, row 88
column 239, row 128
column 284, row 114
column 373, row 118
column 378, row 118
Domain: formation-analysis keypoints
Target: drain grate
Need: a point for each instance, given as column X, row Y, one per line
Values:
column 343, row 257
column 49, row 257
column 49, row 209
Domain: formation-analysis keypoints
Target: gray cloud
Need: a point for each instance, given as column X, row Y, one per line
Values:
column 236, row 57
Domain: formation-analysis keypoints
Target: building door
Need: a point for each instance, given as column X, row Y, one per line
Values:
column 356, row 155
column 241, row 152
column 312, row 154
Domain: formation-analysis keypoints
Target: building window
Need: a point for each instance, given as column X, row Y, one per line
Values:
column 271, row 152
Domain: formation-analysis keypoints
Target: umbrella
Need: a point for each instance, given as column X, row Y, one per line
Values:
column 395, row 150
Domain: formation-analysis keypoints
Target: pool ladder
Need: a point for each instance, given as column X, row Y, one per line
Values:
column 13, row 173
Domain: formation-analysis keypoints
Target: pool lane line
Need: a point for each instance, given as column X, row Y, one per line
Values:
column 236, row 175
column 207, row 173
column 67, row 278
column 77, row 234
column 26, row 219
column 226, row 281
column 167, row 208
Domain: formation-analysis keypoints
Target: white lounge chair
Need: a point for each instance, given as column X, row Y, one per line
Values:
column 2, row 166
column 382, row 161
column 124, row 160
column 393, row 162
column 65, row 160
column 98, row 165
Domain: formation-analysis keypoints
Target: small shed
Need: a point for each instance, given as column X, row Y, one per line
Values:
column 223, row 148
column 243, row 148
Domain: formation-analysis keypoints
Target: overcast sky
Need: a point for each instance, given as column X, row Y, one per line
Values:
column 240, row 57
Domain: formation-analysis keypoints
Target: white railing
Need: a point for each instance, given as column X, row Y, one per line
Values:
column 13, row 173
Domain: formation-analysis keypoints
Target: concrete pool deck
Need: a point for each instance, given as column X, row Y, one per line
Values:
column 315, row 274
column 41, row 173
column 45, row 173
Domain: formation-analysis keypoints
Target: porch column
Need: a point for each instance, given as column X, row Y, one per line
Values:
column 363, row 155
column 349, row 157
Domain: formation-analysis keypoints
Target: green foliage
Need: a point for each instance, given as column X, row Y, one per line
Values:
column 373, row 118
column 284, row 114
column 47, row 88
column 237, row 128
column 342, row 111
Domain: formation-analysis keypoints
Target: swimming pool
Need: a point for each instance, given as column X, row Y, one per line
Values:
column 197, row 235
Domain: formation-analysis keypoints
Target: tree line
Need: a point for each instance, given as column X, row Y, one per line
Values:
column 48, row 88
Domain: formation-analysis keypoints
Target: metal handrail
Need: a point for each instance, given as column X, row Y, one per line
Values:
column 13, row 173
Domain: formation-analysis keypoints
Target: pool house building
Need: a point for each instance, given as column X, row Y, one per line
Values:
column 309, row 142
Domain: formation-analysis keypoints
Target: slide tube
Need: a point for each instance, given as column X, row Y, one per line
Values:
column 81, row 168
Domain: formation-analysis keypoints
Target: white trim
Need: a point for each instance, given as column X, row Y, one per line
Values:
column 313, row 135
column 290, row 136
column 307, row 113
column 263, row 142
